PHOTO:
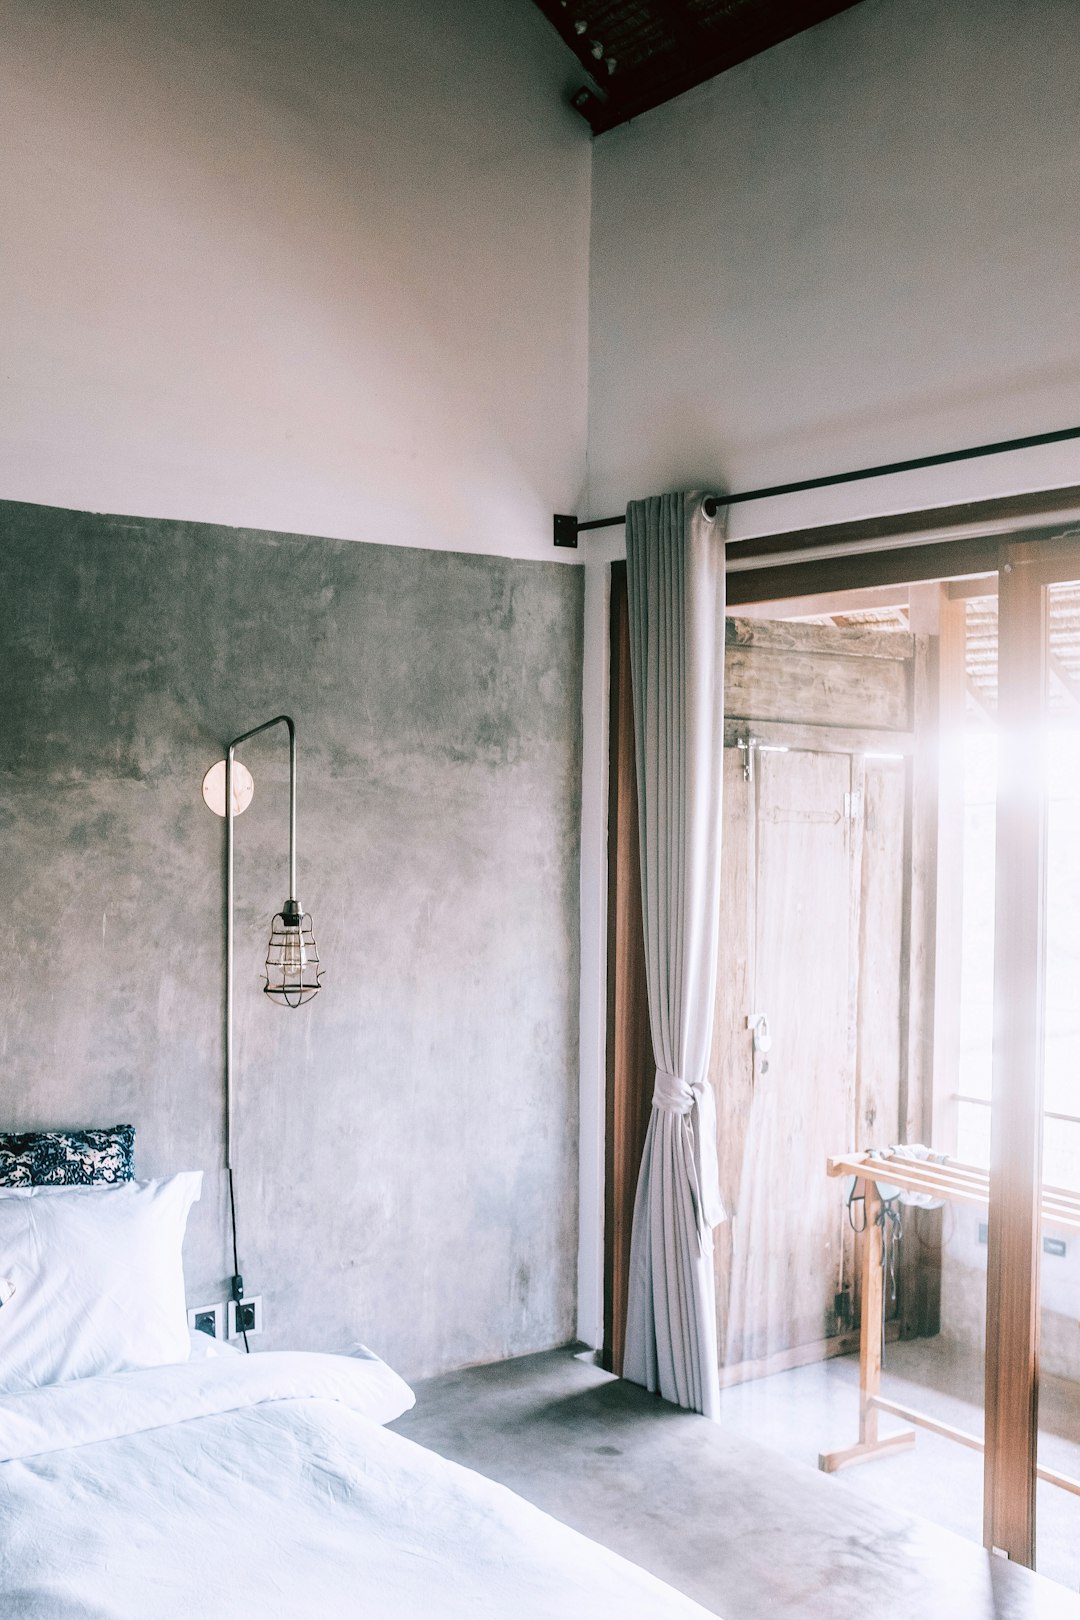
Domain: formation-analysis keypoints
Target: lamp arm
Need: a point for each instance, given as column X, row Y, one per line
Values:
column 278, row 720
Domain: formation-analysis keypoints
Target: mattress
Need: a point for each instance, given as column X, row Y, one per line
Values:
column 255, row 1488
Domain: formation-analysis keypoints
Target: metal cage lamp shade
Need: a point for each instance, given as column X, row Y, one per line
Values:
column 293, row 971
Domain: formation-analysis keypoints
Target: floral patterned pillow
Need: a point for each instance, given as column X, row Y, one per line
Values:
column 16, row 1165
column 67, row 1158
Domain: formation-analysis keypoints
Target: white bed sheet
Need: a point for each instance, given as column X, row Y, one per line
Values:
column 253, row 1488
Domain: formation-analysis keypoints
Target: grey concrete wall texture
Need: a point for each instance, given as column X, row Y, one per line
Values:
column 406, row 1144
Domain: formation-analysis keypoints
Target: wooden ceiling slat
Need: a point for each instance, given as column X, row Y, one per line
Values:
column 661, row 49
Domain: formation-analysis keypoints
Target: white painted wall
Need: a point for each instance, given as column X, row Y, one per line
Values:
column 319, row 268
column 857, row 247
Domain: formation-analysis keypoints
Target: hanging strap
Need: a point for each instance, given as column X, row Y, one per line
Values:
column 892, row 1230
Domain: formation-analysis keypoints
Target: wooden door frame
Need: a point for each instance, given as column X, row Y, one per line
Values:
column 630, row 1067
column 1016, row 1126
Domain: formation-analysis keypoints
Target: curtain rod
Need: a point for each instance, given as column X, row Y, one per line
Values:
column 567, row 527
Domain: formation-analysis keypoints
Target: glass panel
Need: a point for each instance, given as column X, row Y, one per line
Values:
column 936, row 1371
column 1058, row 1509
column 978, row 808
column 973, row 1131
column 858, row 850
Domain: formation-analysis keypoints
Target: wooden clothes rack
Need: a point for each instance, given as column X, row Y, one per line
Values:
column 955, row 1184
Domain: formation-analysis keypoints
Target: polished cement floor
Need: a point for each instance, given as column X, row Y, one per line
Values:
column 747, row 1532
column 812, row 1409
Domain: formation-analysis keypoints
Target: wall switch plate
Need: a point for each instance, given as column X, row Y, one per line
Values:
column 208, row 1319
column 245, row 1316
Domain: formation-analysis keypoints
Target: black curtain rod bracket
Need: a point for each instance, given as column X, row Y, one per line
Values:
column 567, row 528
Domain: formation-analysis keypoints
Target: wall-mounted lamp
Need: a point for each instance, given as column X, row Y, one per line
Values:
column 293, row 969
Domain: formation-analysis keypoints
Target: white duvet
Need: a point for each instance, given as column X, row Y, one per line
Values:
column 253, row 1488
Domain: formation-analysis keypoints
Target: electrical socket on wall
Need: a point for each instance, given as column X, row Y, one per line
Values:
column 245, row 1316
column 208, row 1319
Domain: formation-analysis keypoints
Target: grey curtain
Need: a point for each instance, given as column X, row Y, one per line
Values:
column 675, row 580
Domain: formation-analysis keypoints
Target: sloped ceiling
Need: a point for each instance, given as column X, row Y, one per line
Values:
column 637, row 55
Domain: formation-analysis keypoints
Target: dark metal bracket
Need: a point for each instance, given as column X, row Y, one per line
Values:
column 566, row 530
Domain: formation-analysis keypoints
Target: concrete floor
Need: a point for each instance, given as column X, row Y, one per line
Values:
column 812, row 1409
column 750, row 1533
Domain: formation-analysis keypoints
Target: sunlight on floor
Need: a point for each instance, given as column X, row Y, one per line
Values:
column 815, row 1408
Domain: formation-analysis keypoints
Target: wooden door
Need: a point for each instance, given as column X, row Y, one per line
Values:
column 812, row 909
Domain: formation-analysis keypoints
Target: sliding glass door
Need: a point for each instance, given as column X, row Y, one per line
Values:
column 901, row 969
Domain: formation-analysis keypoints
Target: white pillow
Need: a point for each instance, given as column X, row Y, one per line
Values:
column 386, row 1395
column 96, row 1277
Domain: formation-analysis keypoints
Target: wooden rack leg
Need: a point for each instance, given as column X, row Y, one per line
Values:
column 869, row 1444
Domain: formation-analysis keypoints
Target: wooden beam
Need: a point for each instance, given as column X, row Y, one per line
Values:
column 649, row 79
column 785, row 635
column 828, row 603
column 945, row 542
column 1013, row 1255
column 969, row 520
column 860, row 570
column 817, row 688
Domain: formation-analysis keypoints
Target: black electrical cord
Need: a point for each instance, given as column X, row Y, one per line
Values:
column 237, row 1281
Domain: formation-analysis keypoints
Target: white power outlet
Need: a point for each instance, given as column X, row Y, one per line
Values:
column 208, row 1319
column 253, row 1316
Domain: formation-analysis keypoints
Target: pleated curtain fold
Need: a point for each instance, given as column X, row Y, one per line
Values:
column 676, row 591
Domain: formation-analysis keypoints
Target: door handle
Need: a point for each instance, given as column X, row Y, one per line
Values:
column 758, row 1024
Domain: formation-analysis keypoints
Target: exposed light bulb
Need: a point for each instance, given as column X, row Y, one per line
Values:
column 293, row 954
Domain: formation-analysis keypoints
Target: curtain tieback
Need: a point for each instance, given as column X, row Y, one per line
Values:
column 671, row 1094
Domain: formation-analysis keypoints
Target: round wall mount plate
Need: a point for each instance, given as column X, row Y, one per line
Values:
column 213, row 788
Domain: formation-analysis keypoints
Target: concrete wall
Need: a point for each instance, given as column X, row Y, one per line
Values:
column 963, row 1294
column 857, row 247
column 316, row 268
column 406, row 1144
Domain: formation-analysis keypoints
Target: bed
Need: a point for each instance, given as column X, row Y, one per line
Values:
column 256, row 1486
column 138, row 1482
